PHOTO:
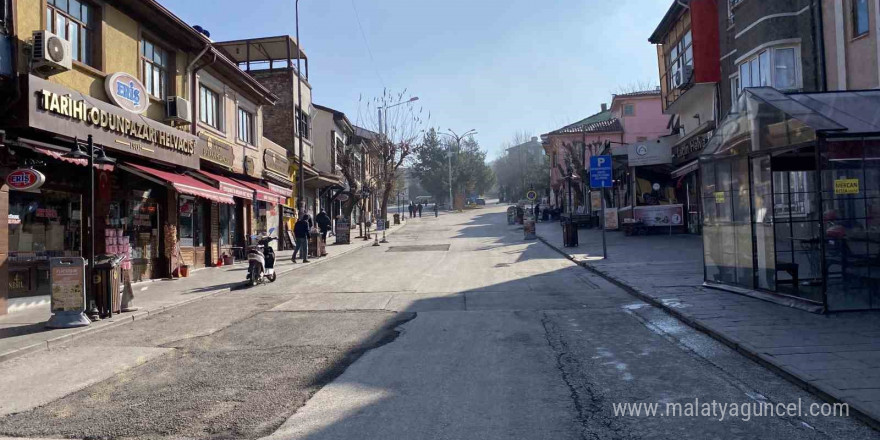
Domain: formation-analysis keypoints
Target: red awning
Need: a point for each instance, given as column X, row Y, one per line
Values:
column 280, row 190
column 230, row 186
column 182, row 183
column 263, row 193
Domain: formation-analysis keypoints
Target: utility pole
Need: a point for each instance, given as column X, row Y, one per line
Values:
column 458, row 139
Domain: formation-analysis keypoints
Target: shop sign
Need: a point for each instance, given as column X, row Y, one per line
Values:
column 719, row 197
column 25, row 179
column 649, row 153
column 276, row 162
column 596, row 201
column 14, row 219
column 611, row 219
column 660, row 215
column 68, row 113
column 343, row 231
column 846, row 186
column 216, row 151
column 691, row 146
column 127, row 92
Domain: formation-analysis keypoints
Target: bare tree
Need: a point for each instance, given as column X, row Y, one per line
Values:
column 400, row 125
column 637, row 86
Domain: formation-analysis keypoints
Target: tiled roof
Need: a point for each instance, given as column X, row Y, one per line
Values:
column 639, row 93
column 603, row 122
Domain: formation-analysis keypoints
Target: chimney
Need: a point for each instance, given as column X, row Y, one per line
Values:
column 604, row 107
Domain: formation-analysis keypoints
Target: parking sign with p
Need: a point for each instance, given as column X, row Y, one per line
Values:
column 601, row 172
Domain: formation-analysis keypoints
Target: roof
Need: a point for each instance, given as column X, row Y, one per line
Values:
column 338, row 115
column 639, row 93
column 364, row 133
column 602, row 122
column 851, row 112
column 263, row 49
column 666, row 23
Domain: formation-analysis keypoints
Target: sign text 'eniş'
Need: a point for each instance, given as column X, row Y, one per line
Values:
column 82, row 111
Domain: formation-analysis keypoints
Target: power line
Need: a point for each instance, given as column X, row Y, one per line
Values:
column 367, row 44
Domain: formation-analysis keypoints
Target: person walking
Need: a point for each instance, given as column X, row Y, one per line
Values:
column 301, row 234
column 435, row 210
column 537, row 212
column 419, row 207
column 324, row 224
column 412, row 209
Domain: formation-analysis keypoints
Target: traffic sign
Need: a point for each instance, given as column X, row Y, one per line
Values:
column 532, row 196
column 601, row 172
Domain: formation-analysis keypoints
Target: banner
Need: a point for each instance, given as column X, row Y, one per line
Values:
column 611, row 221
column 660, row 215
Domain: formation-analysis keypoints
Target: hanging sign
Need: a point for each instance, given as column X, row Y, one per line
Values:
column 127, row 92
column 846, row 186
column 25, row 179
column 719, row 197
column 532, row 196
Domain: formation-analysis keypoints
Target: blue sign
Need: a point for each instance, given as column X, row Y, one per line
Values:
column 601, row 172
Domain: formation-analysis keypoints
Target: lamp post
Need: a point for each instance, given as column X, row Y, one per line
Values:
column 384, row 110
column 101, row 159
column 300, row 203
column 458, row 139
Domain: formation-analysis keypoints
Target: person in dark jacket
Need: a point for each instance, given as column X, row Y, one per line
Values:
column 324, row 223
column 419, row 207
column 301, row 233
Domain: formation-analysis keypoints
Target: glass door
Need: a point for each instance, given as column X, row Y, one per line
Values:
column 762, row 201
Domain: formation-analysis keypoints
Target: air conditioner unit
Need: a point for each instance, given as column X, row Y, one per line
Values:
column 177, row 109
column 51, row 54
column 676, row 80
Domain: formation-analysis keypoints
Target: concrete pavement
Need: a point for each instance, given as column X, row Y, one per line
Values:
column 836, row 356
column 456, row 329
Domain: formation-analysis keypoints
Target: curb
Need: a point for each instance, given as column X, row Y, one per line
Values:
column 142, row 314
column 739, row 346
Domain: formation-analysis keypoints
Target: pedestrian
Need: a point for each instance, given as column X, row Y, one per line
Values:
column 324, row 224
column 301, row 233
column 412, row 209
column 537, row 212
column 420, row 209
column 435, row 210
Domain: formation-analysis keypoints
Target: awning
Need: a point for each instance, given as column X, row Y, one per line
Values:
column 230, row 186
column 686, row 169
column 263, row 193
column 280, row 190
column 44, row 149
column 182, row 183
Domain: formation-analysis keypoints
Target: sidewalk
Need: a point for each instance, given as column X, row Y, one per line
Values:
column 24, row 332
column 835, row 356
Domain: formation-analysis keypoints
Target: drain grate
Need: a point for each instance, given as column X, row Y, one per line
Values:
column 420, row 248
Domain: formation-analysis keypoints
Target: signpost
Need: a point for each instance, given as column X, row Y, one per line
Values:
column 601, row 176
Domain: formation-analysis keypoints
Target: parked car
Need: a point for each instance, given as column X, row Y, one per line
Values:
column 481, row 201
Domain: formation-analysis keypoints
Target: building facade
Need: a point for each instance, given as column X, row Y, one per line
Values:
column 852, row 50
column 180, row 120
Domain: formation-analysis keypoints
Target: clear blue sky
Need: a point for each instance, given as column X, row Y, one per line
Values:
column 499, row 66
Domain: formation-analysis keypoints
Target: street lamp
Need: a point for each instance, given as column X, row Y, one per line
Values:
column 384, row 110
column 301, row 202
column 458, row 139
column 101, row 159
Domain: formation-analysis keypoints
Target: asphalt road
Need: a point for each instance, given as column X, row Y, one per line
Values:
column 457, row 329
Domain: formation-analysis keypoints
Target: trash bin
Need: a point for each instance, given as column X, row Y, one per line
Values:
column 396, row 219
column 316, row 245
column 569, row 233
column 107, row 283
column 511, row 215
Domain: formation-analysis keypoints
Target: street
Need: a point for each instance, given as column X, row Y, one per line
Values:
column 456, row 329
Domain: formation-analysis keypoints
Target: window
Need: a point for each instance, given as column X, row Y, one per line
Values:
column 72, row 20
column 680, row 62
column 209, row 107
column 735, row 89
column 227, row 225
column 629, row 110
column 154, row 61
column 776, row 67
column 245, row 126
column 303, row 123
column 860, row 17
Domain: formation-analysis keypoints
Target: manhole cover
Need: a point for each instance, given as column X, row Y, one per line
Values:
column 420, row 248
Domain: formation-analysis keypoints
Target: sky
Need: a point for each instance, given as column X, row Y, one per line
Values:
column 497, row 66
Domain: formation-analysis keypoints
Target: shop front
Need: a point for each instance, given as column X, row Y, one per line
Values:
column 645, row 192
column 686, row 174
column 266, row 209
column 791, row 193
column 275, row 174
column 131, row 209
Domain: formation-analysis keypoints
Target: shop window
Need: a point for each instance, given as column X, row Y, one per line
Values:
column 227, row 225
column 245, row 126
column 777, row 67
column 191, row 220
column 209, row 107
column 860, row 17
column 73, row 21
column 154, row 65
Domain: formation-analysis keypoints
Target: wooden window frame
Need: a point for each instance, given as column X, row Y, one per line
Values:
column 216, row 107
column 248, row 123
column 165, row 70
column 50, row 11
